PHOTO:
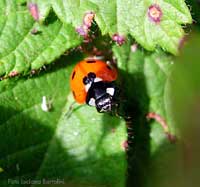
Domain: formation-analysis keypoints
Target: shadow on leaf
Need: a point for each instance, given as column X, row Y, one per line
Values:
column 135, row 107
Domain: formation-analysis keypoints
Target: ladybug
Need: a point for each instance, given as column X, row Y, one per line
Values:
column 92, row 82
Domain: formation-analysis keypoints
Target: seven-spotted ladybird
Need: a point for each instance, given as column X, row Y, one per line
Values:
column 92, row 82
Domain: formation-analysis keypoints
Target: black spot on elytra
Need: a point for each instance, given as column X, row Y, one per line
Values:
column 74, row 94
column 73, row 75
column 91, row 61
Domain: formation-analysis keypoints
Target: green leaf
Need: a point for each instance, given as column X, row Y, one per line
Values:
column 178, row 165
column 27, row 45
column 185, row 92
column 127, row 17
column 145, row 90
column 93, row 143
column 71, row 143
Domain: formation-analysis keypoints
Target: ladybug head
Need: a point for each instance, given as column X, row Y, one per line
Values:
column 101, row 95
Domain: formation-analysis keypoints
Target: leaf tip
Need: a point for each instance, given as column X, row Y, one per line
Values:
column 35, row 31
column 88, row 18
column 134, row 47
column 155, row 13
column 119, row 39
column 82, row 31
column 124, row 145
column 87, row 23
column 33, row 9
column 13, row 74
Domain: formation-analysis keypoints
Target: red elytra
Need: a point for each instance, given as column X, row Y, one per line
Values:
column 102, row 70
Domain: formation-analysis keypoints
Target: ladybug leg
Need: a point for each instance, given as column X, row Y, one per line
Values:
column 70, row 110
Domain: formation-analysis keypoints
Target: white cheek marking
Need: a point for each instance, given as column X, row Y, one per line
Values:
column 87, row 87
column 110, row 91
column 92, row 102
column 97, row 79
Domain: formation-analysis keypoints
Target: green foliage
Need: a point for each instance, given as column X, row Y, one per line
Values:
column 127, row 17
column 178, row 165
column 27, row 45
column 146, row 87
column 21, row 50
column 78, row 148
column 71, row 142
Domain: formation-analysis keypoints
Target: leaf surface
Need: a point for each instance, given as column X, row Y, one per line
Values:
column 25, row 44
column 145, row 87
column 127, row 17
column 72, row 143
